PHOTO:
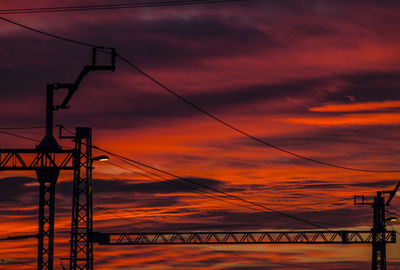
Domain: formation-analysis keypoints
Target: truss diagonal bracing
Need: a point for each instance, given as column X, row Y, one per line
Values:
column 81, row 250
column 47, row 162
column 33, row 159
column 266, row 237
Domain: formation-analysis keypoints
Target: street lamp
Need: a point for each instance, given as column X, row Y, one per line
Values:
column 100, row 158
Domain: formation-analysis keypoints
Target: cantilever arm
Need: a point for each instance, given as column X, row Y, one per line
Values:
column 86, row 69
column 73, row 87
column 392, row 193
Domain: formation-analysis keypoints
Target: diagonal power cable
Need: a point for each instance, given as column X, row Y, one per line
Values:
column 242, row 132
column 211, row 116
column 114, row 6
column 213, row 189
column 188, row 102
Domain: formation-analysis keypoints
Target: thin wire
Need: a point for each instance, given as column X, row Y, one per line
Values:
column 124, row 168
column 169, row 90
column 180, row 185
column 201, row 185
column 130, row 161
column 224, row 199
column 52, row 35
column 18, row 128
column 193, row 189
column 123, row 218
column 173, row 184
column 213, row 189
column 19, row 136
column 4, row 261
column 19, row 237
column 199, row 108
column 67, row 129
column 329, row 202
column 213, row 117
column 391, row 226
column 114, row 6
column 393, row 213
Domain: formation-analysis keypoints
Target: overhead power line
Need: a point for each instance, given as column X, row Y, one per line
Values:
column 10, row 262
column 242, row 132
column 19, row 136
column 120, row 157
column 51, row 35
column 128, row 220
column 19, row 237
column 114, row 6
column 19, row 128
column 213, row 189
column 185, row 100
column 202, row 192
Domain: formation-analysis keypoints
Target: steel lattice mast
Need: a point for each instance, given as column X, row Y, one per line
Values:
column 81, row 249
column 48, row 159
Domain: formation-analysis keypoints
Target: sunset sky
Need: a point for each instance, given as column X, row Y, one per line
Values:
column 317, row 78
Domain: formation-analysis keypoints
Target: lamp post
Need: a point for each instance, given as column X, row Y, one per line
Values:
column 81, row 248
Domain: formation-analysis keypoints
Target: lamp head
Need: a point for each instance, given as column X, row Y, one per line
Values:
column 100, row 158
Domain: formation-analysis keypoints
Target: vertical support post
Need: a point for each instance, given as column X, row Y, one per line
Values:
column 47, row 187
column 378, row 230
column 46, row 225
column 49, row 109
column 81, row 248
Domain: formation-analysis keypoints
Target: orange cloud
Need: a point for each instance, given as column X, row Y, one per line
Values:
column 367, row 106
column 349, row 119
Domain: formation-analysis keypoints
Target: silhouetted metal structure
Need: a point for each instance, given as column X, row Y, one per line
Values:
column 379, row 226
column 378, row 236
column 256, row 237
column 48, row 159
column 47, row 163
column 81, row 250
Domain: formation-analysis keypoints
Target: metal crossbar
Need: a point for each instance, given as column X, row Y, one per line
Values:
column 270, row 237
column 32, row 159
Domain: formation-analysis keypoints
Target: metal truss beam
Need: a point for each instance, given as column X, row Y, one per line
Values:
column 46, row 225
column 33, row 159
column 266, row 237
column 81, row 249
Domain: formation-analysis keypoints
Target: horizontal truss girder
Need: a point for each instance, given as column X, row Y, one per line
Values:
column 270, row 237
column 33, row 159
